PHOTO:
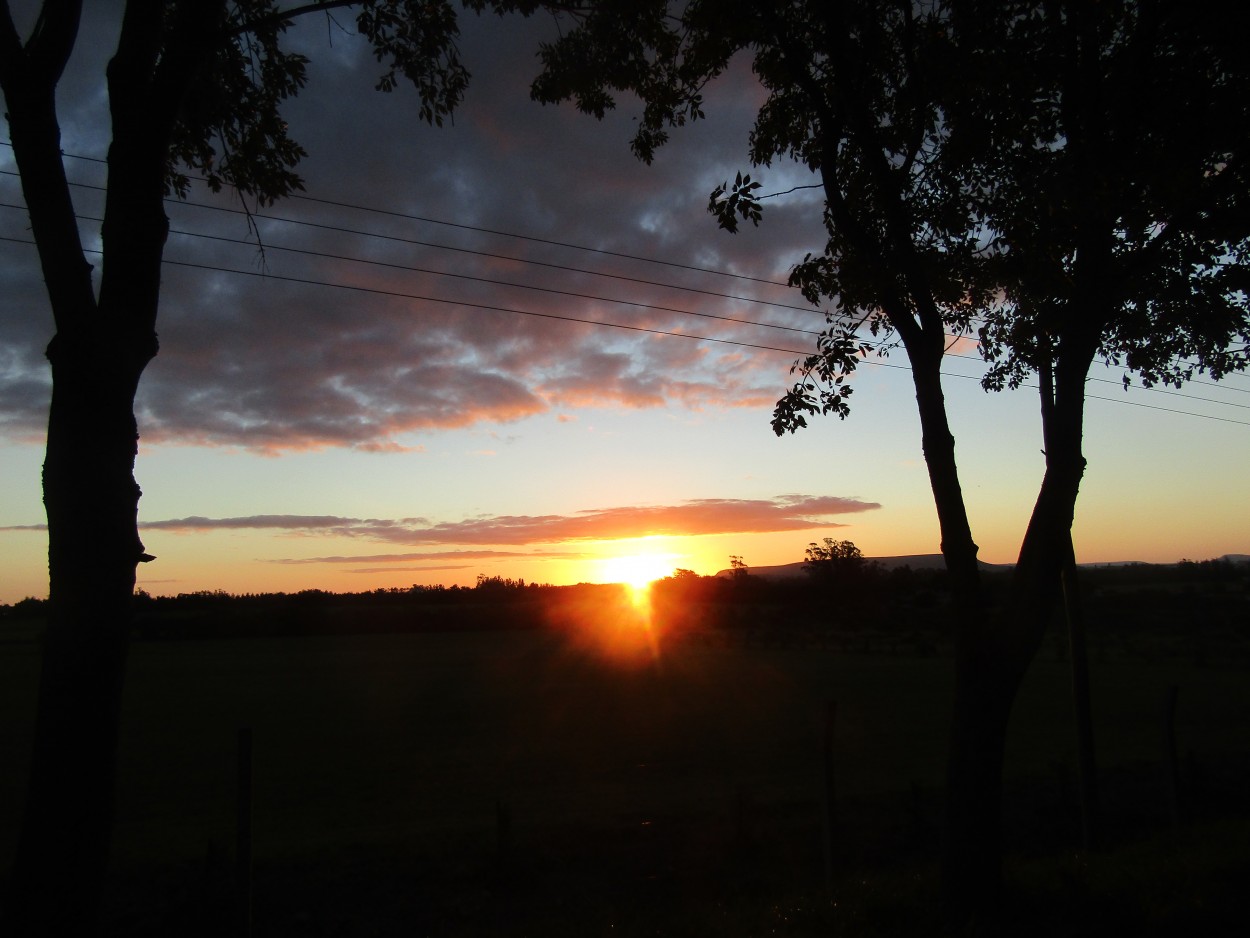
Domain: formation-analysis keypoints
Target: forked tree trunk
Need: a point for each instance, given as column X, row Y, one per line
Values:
column 91, row 500
column 100, row 350
column 993, row 653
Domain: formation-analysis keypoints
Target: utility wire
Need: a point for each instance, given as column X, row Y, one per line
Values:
column 806, row 309
column 490, row 231
column 747, row 322
column 338, row 229
column 1224, row 385
column 489, row 307
column 739, row 321
column 591, row 322
column 563, row 244
column 502, row 283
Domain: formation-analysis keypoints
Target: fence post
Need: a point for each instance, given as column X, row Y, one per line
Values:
column 1170, row 765
column 1087, row 767
column 503, row 832
column 830, row 803
column 243, row 830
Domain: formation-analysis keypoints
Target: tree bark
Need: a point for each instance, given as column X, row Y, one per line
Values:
column 99, row 350
column 993, row 653
column 91, row 500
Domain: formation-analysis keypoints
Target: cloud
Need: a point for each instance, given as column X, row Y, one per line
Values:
column 465, row 555
column 689, row 518
column 379, row 330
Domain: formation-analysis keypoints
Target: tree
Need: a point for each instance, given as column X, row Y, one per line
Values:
column 833, row 562
column 195, row 87
column 1065, row 181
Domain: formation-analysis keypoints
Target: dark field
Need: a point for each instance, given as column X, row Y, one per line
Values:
column 581, row 781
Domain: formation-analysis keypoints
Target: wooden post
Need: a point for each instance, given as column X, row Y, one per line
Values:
column 243, row 831
column 1087, row 766
column 1171, row 767
column 503, row 832
column 830, row 802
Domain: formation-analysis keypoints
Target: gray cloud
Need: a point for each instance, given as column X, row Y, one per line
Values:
column 695, row 517
column 465, row 555
column 266, row 363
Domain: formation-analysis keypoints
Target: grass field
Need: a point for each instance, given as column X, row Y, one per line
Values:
column 534, row 782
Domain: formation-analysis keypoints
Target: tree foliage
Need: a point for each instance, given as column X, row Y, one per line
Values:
column 195, row 88
column 832, row 554
column 1062, row 181
column 969, row 151
column 229, row 126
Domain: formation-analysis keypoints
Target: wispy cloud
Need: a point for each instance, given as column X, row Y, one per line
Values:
column 459, row 555
column 697, row 517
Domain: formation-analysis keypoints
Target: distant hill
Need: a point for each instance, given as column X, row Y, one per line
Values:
column 794, row 571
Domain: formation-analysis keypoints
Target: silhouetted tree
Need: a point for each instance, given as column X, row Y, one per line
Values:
column 829, row 555
column 1065, row 180
column 195, row 86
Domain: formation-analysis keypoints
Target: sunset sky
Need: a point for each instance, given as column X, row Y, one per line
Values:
column 425, row 378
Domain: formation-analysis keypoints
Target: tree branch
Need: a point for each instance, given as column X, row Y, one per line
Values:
column 52, row 39
column 11, row 54
column 30, row 99
column 278, row 17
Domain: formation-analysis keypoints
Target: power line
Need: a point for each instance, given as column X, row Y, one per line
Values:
column 490, row 231
column 571, row 293
column 572, row 246
column 397, row 294
column 737, row 320
column 339, row 229
column 562, row 244
column 806, row 309
column 409, row 268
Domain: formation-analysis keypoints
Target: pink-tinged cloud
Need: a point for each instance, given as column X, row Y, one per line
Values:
column 389, row 333
column 421, row 557
column 299, row 523
column 698, row 517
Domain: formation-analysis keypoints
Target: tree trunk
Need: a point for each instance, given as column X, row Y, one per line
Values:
column 993, row 654
column 91, row 500
column 972, row 845
column 959, row 550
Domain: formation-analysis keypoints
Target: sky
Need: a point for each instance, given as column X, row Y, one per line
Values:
column 439, row 366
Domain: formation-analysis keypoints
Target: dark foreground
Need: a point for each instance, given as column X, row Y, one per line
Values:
column 600, row 779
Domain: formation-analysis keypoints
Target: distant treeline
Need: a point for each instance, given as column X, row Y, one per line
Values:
column 1210, row 597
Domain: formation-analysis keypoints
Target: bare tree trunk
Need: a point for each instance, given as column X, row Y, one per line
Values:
column 994, row 653
column 91, row 500
column 972, row 844
column 98, row 354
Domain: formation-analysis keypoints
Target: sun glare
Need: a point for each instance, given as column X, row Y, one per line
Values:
column 636, row 571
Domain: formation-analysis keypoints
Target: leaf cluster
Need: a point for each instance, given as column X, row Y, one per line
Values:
column 1047, row 177
column 1119, row 194
column 636, row 46
column 229, row 125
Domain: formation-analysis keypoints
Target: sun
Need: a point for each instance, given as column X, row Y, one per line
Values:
column 636, row 570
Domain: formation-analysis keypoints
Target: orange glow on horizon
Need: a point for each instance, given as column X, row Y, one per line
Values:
column 637, row 571
column 611, row 622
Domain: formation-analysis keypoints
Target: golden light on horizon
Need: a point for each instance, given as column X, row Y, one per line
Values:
column 637, row 571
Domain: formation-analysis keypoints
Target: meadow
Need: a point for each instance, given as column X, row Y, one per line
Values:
column 596, row 777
